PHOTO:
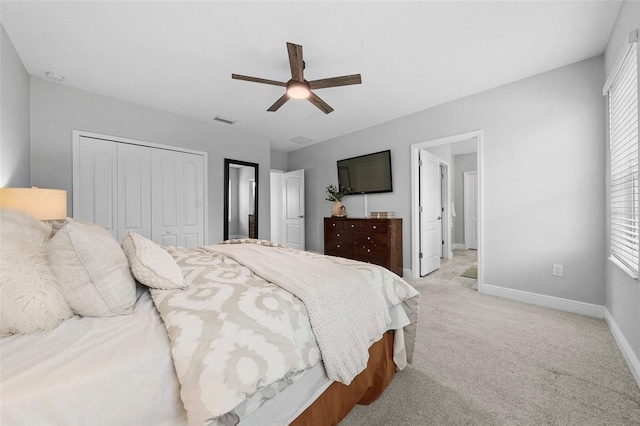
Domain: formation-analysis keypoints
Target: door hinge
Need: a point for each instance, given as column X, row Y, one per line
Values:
column 420, row 209
column 442, row 242
column 419, row 162
column 442, row 209
column 420, row 255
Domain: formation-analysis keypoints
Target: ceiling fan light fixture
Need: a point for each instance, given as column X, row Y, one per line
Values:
column 298, row 89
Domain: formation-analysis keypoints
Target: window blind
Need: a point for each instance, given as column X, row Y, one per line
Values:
column 623, row 146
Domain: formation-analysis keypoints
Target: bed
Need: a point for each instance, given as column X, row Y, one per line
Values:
column 210, row 338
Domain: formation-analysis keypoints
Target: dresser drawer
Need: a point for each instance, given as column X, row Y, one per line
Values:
column 374, row 226
column 339, row 248
column 370, row 250
column 354, row 225
column 334, row 225
column 338, row 235
column 375, row 238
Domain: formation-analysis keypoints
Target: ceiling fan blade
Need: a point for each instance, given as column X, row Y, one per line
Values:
column 258, row 80
column 345, row 80
column 295, row 61
column 284, row 98
column 314, row 99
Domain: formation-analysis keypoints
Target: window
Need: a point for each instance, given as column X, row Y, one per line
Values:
column 622, row 91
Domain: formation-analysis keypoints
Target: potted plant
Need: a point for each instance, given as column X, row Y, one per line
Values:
column 335, row 195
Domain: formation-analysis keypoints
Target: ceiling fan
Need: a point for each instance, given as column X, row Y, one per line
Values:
column 298, row 87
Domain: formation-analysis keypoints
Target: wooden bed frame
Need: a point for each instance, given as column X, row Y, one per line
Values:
column 336, row 402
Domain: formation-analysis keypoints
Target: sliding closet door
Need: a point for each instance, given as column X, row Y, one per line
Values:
column 95, row 183
column 177, row 198
column 134, row 190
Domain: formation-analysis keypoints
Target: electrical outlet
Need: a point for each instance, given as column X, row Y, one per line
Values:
column 558, row 270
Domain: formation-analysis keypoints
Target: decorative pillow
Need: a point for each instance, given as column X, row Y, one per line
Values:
column 92, row 270
column 150, row 264
column 20, row 225
column 30, row 298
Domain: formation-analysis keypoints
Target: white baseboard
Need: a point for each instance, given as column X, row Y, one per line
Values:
column 567, row 305
column 457, row 246
column 632, row 359
column 407, row 272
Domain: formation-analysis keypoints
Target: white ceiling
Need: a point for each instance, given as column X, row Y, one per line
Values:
column 179, row 56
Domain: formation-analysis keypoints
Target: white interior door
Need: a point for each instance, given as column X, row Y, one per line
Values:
column 134, row 190
column 177, row 198
column 470, row 189
column 430, row 213
column 95, row 183
column 294, row 221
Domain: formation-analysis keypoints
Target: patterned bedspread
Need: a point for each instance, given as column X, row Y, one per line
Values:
column 234, row 334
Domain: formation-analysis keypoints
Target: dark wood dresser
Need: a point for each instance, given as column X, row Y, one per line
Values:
column 377, row 241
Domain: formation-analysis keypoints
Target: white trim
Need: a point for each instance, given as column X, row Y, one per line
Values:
column 628, row 45
column 458, row 246
column 78, row 133
column 543, row 300
column 627, row 352
column 406, row 272
column 415, row 197
column 582, row 308
column 75, row 152
column 624, row 268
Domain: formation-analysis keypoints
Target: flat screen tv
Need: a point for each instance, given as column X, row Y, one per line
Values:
column 366, row 174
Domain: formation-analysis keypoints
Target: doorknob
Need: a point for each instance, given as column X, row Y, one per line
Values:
column 439, row 217
column 300, row 217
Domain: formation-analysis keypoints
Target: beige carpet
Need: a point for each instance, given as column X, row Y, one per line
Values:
column 482, row 360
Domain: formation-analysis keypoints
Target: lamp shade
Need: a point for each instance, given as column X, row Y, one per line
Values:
column 43, row 204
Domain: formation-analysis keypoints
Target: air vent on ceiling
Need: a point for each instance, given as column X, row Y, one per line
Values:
column 301, row 140
column 54, row 77
column 224, row 120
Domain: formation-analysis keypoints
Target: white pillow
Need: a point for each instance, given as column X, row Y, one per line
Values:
column 92, row 270
column 150, row 264
column 30, row 298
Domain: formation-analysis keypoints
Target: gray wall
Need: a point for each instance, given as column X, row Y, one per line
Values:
column 279, row 161
column 543, row 173
column 15, row 163
column 56, row 110
column 461, row 163
column 623, row 292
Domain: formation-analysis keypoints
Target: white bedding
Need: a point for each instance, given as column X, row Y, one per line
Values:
column 119, row 369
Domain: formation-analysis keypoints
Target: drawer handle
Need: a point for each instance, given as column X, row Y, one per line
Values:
column 338, row 234
column 338, row 246
column 353, row 226
column 368, row 250
column 374, row 226
column 333, row 224
column 368, row 238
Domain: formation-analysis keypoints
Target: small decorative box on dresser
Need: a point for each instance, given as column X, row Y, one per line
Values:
column 377, row 241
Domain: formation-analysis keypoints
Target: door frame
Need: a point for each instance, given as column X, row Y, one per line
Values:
column 415, row 199
column 467, row 212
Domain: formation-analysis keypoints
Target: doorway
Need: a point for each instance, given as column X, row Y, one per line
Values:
column 451, row 144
